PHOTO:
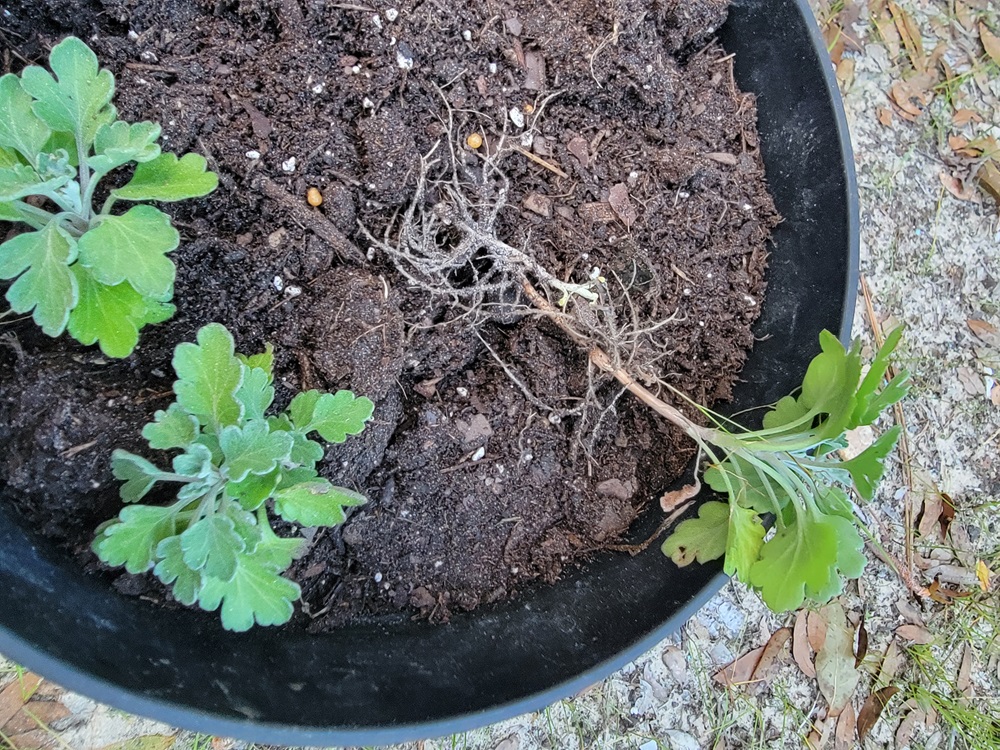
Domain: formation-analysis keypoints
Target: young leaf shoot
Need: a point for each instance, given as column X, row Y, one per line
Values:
column 214, row 545
column 99, row 275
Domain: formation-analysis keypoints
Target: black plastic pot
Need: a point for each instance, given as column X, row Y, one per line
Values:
column 401, row 681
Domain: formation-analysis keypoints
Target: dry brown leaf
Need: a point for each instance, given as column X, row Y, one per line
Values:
column 909, row 612
column 991, row 42
column 884, row 116
column 513, row 742
column 964, row 682
column 833, row 35
column 860, row 642
column 670, row 500
column 738, row 672
column 915, row 634
column 723, row 157
column 890, row 665
column 845, row 73
column 963, row 117
column 223, row 743
column 818, row 737
column 872, row 709
column 904, row 733
column 16, row 694
column 848, row 16
column 36, row 715
column 835, row 671
column 988, row 177
column 995, row 394
column 800, row 645
column 909, row 33
column 618, row 197
column 965, row 16
column 986, row 332
column 912, row 96
column 816, row 631
column 772, row 648
column 943, row 594
column 843, row 738
column 956, row 187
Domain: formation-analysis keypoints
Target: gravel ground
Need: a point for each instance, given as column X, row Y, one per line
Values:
column 932, row 262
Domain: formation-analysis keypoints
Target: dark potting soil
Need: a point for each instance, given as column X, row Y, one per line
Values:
column 643, row 163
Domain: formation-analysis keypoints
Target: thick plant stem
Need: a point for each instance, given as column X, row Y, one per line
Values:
column 603, row 362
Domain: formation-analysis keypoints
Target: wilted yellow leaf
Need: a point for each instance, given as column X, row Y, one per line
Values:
column 984, row 574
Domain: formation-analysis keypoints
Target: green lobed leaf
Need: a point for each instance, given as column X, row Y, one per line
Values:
column 264, row 361
column 743, row 542
column 9, row 158
column 305, row 452
column 112, row 316
column 212, row 546
column 120, row 143
column 171, row 569
column 133, row 540
column 196, row 461
column 167, row 178
column 802, row 555
column 255, row 393
column 133, row 247
column 245, row 524
column 315, row 503
column 745, row 485
column 254, row 490
column 702, row 538
column 138, row 474
column 253, row 449
column 828, row 388
column 173, row 428
column 255, row 594
column 46, row 285
column 867, row 467
column 333, row 416
column 78, row 99
column 276, row 554
column 209, row 376
column 20, row 180
column 20, row 127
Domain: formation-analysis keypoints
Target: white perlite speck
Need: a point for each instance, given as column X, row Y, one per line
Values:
column 289, row 165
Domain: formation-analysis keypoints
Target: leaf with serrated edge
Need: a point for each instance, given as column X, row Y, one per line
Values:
column 252, row 449
column 45, row 284
column 138, row 474
column 120, row 142
column 133, row 540
column 209, row 376
column 800, row 555
column 264, row 360
column 20, row 181
column 133, row 247
column 256, row 392
column 702, row 538
column 255, row 594
column 315, row 503
column 112, row 316
column 196, row 462
column 78, row 100
column 212, row 546
column 171, row 569
column 20, row 128
column 333, row 416
column 254, row 489
column 746, row 535
column 167, row 178
column 866, row 468
column 173, row 428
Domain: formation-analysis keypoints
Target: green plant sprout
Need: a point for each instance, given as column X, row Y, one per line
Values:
column 791, row 470
column 99, row 275
column 215, row 545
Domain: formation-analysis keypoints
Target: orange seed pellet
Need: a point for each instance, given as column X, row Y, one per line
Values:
column 474, row 140
column 314, row 197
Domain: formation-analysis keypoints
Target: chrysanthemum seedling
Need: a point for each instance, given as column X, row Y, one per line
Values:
column 215, row 546
column 791, row 470
column 102, row 276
